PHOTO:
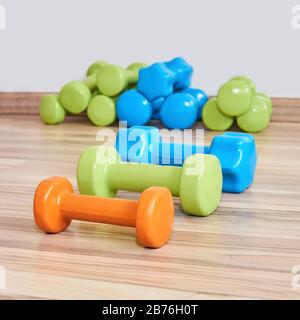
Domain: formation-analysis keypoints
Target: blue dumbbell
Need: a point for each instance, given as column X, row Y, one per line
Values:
column 162, row 79
column 236, row 152
column 180, row 110
column 134, row 108
column 201, row 98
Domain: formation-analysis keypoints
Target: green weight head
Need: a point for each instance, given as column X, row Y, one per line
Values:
column 112, row 80
column 257, row 117
column 136, row 67
column 102, row 111
column 234, row 98
column 93, row 169
column 214, row 119
column 51, row 111
column 201, row 184
column 267, row 100
column 75, row 97
column 94, row 68
column 247, row 80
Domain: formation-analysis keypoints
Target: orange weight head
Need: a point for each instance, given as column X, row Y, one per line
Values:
column 46, row 206
column 155, row 217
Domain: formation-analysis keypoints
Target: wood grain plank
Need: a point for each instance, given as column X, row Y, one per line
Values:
column 245, row 250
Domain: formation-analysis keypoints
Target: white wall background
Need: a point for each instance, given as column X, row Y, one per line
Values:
column 47, row 43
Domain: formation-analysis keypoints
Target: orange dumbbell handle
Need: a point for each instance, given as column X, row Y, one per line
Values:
column 102, row 210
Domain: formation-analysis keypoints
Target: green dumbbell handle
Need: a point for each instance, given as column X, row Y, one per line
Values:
column 138, row 177
column 90, row 81
column 132, row 77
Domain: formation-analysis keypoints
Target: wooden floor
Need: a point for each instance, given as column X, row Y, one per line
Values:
column 247, row 249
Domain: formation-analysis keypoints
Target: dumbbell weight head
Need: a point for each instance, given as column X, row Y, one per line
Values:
column 198, row 183
column 247, row 80
column 136, row 67
column 94, row 68
column 257, row 117
column 102, row 111
column 162, row 79
column 214, row 119
column 234, row 98
column 183, row 72
column 237, row 154
column 133, row 108
column 76, row 95
column 55, row 205
column 267, row 100
column 179, row 111
column 47, row 213
column 156, row 81
column 201, row 98
column 51, row 111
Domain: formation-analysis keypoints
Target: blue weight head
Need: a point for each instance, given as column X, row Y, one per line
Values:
column 237, row 155
column 201, row 98
column 183, row 71
column 179, row 111
column 156, row 81
column 138, row 144
column 133, row 108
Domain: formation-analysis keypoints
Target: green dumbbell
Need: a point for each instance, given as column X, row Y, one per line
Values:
column 214, row 119
column 258, row 116
column 102, row 110
column 234, row 97
column 51, row 111
column 249, row 82
column 94, row 68
column 198, row 182
column 76, row 95
column 113, row 79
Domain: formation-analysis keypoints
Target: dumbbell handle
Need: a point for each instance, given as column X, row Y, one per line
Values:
column 90, row 81
column 101, row 210
column 132, row 77
column 176, row 153
column 138, row 177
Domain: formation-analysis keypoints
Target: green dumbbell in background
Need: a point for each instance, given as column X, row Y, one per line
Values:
column 238, row 99
column 198, row 182
column 51, row 111
column 113, row 79
column 101, row 110
column 76, row 95
column 94, row 68
column 258, row 116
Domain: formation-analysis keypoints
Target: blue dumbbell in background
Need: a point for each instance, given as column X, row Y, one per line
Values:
column 162, row 79
column 236, row 152
column 179, row 110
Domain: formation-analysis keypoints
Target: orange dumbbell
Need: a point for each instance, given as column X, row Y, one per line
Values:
column 56, row 205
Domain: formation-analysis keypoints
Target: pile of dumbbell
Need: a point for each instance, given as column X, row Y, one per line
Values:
column 96, row 95
column 198, row 179
column 238, row 99
column 163, row 93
